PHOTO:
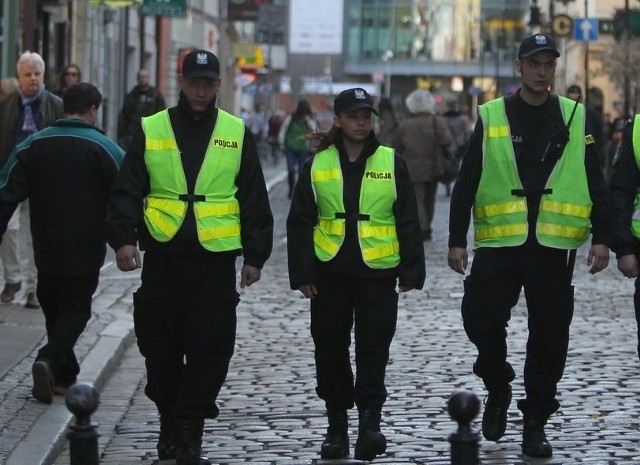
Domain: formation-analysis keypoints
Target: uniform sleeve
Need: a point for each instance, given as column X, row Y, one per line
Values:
column 465, row 188
column 256, row 219
column 625, row 179
column 126, row 198
column 302, row 219
column 411, row 270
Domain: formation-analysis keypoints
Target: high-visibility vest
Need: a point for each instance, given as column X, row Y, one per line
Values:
column 500, row 214
column 215, row 206
column 635, row 219
column 376, row 223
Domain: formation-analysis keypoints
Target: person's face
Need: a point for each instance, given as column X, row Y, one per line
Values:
column 537, row 71
column 356, row 125
column 30, row 78
column 199, row 92
column 143, row 78
column 71, row 76
column 573, row 95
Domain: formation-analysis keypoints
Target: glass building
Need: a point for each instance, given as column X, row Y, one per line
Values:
column 448, row 46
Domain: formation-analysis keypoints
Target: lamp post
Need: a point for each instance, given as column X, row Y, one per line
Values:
column 386, row 57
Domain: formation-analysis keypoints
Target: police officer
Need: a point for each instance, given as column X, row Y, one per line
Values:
column 532, row 178
column 192, row 191
column 352, row 234
column 624, row 186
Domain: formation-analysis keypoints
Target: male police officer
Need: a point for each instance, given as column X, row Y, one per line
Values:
column 537, row 192
column 195, row 169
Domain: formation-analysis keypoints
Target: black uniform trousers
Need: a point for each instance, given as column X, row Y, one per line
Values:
column 373, row 303
column 185, row 322
column 66, row 304
column 492, row 289
column 636, row 304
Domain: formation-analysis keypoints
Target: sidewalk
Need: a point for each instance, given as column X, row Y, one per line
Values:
column 33, row 433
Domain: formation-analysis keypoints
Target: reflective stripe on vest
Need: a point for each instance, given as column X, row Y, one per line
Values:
column 376, row 224
column 215, row 207
column 500, row 218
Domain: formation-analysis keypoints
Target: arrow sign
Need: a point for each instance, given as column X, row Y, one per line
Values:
column 585, row 29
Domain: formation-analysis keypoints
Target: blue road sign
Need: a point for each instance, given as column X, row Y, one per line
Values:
column 585, row 29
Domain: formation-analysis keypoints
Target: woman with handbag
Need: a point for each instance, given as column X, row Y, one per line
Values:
column 422, row 140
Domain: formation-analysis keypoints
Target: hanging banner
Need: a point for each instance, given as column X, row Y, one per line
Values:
column 164, row 8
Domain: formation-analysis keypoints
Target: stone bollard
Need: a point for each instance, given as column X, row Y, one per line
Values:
column 82, row 400
column 463, row 406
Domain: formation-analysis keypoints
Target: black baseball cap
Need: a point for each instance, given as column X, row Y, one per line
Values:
column 537, row 43
column 201, row 64
column 352, row 100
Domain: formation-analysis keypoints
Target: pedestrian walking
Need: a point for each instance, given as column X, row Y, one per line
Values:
column 624, row 186
column 458, row 124
column 68, row 212
column 69, row 75
column 292, row 138
column 420, row 140
column 352, row 234
column 388, row 122
column 533, row 179
column 23, row 112
column 143, row 100
column 196, row 170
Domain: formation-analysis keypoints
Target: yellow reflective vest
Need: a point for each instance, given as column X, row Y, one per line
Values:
column 635, row 219
column 376, row 223
column 215, row 206
column 500, row 217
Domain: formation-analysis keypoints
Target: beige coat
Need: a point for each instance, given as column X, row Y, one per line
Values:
column 419, row 145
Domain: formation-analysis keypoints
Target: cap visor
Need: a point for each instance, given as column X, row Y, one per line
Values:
column 201, row 74
column 528, row 54
column 359, row 107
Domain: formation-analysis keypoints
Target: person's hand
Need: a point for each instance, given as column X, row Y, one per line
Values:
column 598, row 258
column 309, row 290
column 628, row 266
column 458, row 259
column 128, row 258
column 249, row 275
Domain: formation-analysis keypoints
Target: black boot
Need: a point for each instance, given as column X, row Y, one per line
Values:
column 167, row 441
column 534, row 441
column 371, row 442
column 494, row 418
column 189, row 442
column 336, row 442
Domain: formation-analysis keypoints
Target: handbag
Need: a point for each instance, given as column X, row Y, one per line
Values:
column 446, row 164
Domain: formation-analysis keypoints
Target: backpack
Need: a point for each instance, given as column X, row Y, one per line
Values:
column 294, row 139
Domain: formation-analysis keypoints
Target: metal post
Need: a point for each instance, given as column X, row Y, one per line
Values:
column 463, row 406
column 82, row 400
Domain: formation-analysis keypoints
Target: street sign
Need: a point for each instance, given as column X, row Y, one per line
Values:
column 585, row 29
column 164, row 8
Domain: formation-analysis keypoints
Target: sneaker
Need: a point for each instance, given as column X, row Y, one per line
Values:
column 9, row 292
column 494, row 418
column 42, row 381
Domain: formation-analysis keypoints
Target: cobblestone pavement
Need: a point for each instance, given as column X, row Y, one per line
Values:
column 270, row 414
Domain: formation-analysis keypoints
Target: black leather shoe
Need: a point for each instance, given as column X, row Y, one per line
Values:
column 534, row 441
column 494, row 418
column 42, row 381
column 336, row 442
column 371, row 442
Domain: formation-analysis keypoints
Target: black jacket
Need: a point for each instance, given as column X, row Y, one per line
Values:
column 125, row 223
column 66, row 171
column 304, row 267
column 624, row 185
column 531, row 129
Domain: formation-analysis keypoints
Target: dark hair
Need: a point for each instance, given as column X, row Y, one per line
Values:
column 80, row 97
column 324, row 140
column 302, row 110
column 60, row 84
